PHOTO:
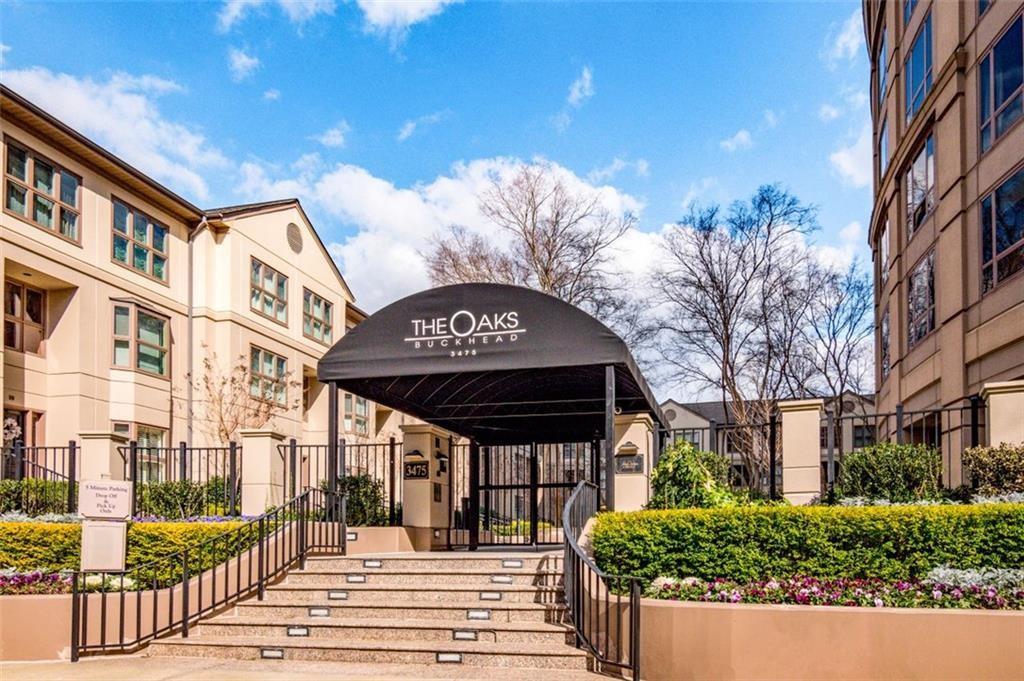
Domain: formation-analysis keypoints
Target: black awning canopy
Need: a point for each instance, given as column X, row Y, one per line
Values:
column 500, row 364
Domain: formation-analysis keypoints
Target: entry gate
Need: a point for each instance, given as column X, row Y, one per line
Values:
column 513, row 495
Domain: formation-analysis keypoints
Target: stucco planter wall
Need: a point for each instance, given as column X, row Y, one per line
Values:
column 686, row 640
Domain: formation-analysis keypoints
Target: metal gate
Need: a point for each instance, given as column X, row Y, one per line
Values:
column 513, row 495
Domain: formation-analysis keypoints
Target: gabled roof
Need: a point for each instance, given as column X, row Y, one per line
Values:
column 245, row 209
column 715, row 410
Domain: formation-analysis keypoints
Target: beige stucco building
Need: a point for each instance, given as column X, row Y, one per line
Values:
column 117, row 290
column 947, row 227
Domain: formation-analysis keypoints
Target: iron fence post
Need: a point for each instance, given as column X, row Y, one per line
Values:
column 72, row 467
column 534, row 496
column 233, row 475
column 293, row 465
column 391, row 480
column 182, row 463
column 899, row 424
column 343, row 506
column 133, row 472
column 634, row 628
column 184, row 593
column 975, row 411
column 713, row 435
column 75, row 615
column 773, row 490
column 261, row 588
column 19, row 460
column 473, row 521
column 830, row 440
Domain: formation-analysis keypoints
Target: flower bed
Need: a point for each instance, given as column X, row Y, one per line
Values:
column 841, row 592
column 36, row 582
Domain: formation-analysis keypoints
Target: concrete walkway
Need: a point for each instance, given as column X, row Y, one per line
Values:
column 142, row 668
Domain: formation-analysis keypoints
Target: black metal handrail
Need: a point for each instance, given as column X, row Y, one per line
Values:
column 119, row 611
column 592, row 595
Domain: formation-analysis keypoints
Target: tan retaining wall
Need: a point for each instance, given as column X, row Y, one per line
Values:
column 681, row 640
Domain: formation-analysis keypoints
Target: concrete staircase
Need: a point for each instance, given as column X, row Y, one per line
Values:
column 481, row 609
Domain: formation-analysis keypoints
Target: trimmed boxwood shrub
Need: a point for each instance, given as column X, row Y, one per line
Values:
column 52, row 547
column 750, row 543
column 996, row 470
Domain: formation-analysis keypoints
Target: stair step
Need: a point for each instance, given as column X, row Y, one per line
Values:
column 497, row 611
column 384, row 630
column 424, row 592
column 403, row 576
column 467, row 653
column 441, row 562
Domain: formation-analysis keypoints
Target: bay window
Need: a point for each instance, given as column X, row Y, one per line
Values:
column 141, row 340
column 1001, row 84
column 1002, row 232
column 921, row 300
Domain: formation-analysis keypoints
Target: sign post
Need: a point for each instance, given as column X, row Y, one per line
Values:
column 105, row 506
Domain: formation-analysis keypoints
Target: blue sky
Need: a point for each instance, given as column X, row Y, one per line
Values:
column 386, row 118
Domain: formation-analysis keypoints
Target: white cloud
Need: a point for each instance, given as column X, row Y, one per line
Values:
column 334, row 137
column 410, row 127
column 272, row 95
column 297, row 11
column 741, row 140
column 853, row 161
column 848, row 43
column 640, row 168
column 840, row 256
column 393, row 19
column 771, row 119
column 828, row 113
column 581, row 89
column 697, row 191
column 382, row 261
column 241, row 64
column 121, row 113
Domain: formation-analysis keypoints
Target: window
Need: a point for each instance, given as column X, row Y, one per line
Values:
column 42, row 191
column 139, row 242
column 882, row 69
column 908, row 10
column 1000, row 85
column 29, row 429
column 151, row 450
column 921, row 186
column 883, row 150
column 883, row 254
column 919, row 69
column 269, row 292
column 983, row 5
column 863, row 436
column 141, row 340
column 269, row 373
column 883, row 341
column 921, row 300
column 24, row 318
column 316, row 317
column 1002, row 232
column 355, row 414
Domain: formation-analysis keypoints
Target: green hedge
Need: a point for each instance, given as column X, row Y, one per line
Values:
column 54, row 546
column 747, row 543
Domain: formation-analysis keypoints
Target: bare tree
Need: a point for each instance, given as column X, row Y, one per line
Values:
column 558, row 239
column 234, row 398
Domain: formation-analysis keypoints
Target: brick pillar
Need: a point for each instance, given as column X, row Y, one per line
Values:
column 263, row 472
column 801, row 449
column 1005, row 418
column 99, row 456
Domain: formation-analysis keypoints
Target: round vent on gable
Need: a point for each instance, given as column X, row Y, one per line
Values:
column 294, row 237
column 670, row 414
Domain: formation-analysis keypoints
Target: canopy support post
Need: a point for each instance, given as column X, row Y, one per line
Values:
column 332, row 442
column 609, row 436
column 474, row 495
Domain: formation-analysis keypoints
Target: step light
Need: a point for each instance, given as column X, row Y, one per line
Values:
column 372, row 563
column 319, row 612
column 272, row 653
column 449, row 658
column 490, row 595
column 512, row 563
column 355, row 579
column 478, row 614
column 463, row 635
column 336, row 595
column 298, row 631
column 351, row 536
column 501, row 579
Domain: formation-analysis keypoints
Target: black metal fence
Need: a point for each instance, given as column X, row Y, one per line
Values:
column 372, row 479
column 183, row 481
column 604, row 609
column 121, row 611
column 39, row 480
column 950, row 430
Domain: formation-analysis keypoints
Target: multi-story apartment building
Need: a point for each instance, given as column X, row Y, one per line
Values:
column 124, row 303
column 947, row 226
